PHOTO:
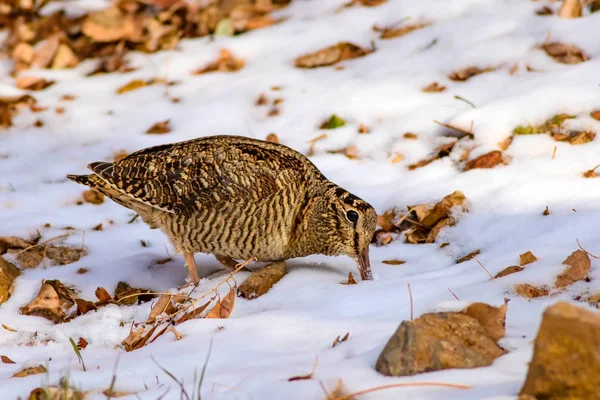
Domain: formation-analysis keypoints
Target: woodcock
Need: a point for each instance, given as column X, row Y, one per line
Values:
column 237, row 198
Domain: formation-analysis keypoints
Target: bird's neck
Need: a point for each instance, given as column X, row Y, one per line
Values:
column 304, row 235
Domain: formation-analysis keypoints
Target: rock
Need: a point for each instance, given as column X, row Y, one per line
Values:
column 437, row 341
column 566, row 356
column 262, row 280
column 8, row 273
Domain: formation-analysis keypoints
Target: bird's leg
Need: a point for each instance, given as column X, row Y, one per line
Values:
column 228, row 262
column 191, row 266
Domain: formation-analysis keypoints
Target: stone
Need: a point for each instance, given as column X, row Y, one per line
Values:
column 435, row 342
column 566, row 355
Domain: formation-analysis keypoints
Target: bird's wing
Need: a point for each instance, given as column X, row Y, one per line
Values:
column 184, row 177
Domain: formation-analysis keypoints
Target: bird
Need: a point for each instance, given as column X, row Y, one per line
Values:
column 238, row 198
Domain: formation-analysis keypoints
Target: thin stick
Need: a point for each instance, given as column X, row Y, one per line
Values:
column 395, row 385
column 113, row 380
column 454, row 128
column 457, row 97
column 488, row 272
column 41, row 243
column 456, row 297
column 589, row 254
column 204, row 369
column 554, row 152
column 415, row 222
column 82, row 240
column 411, row 302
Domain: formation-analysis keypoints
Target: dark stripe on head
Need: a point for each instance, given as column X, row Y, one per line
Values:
column 338, row 225
column 339, row 192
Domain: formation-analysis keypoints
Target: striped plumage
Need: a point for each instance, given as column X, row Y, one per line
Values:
column 236, row 198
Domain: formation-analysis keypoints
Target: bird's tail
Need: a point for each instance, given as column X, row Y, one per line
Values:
column 83, row 179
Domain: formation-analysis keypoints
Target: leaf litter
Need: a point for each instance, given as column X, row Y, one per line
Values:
column 331, row 55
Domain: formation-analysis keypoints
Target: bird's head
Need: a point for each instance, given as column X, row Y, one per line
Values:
column 344, row 226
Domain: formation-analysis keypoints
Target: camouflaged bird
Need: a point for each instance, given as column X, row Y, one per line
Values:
column 237, row 198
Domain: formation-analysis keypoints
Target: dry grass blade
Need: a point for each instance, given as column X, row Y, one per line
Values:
column 588, row 253
column 484, row 268
column 42, row 243
column 184, row 393
column 398, row 385
column 78, row 353
column 411, row 301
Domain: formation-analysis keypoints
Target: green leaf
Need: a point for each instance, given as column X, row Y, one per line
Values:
column 333, row 122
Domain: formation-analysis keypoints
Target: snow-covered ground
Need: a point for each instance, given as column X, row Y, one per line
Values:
column 277, row 336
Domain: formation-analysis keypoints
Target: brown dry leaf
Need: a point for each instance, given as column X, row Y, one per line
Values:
column 32, row 83
column 509, row 270
column 132, row 85
column 433, row 233
column 410, row 135
column 467, row 73
column 390, row 33
column 468, row 257
column 84, row 306
column 137, row 338
column 163, row 305
column 579, row 265
column 127, row 295
column 271, row 137
column 595, row 114
column 107, row 25
column 363, row 129
column 434, row 88
column 564, row 53
column 262, row 100
column 443, row 208
column 45, row 53
column 351, row 152
column 159, row 128
column 262, row 280
column 503, row 145
column 443, row 150
column 545, row 10
column 93, row 197
column 224, row 307
column 529, row 291
column 577, row 137
column 492, row 319
column 331, row 55
column 8, row 328
column 38, row 369
column 385, row 221
column 526, row 258
column 82, row 343
column 488, row 160
column 570, row 9
column 340, row 341
column 56, row 392
column 416, row 236
column 52, row 302
column 350, row 281
column 195, row 313
column 366, row 3
column 226, row 63
column 64, row 58
column 393, row 262
column 13, row 242
column 103, row 296
column 58, row 255
column 6, row 360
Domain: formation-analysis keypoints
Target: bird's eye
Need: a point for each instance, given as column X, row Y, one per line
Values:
column 352, row 216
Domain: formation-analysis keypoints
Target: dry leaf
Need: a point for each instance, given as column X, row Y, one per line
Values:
column 545, row 10
column 492, row 319
column 595, row 114
column 84, row 306
column 13, row 242
column 433, row 233
column 195, row 313
column 132, row 85
column 503, row 145
column 351, row 280
column 64, row 58
column 61, row 392
column 163, row 305
column 443, row 208
column 529, row 291
column 390, row 33
column 262, row 280
column 468, row 257
column 330, row 55
column 8, row 328
column 393, row 262
column 6, row 360
column 488, row 160
column 52, row 302
column 224, row 307
column 570, row 9
column 93, row 197
column 367, row 3
column 103, row 296
column 579, row 265
column 226, row 63
column 340, row 341
column 509, row 270
column 564, row 53
column 38, row 369
column 82, row 343
column 526, row 258
column 32, row 83
column 434, row 88
column 127, row 295
column 574, row 137
column 467, row 73
column 410, row 135
column 159, row 127
column 107, row 25
column 442, row 151
column 271, row 137
column 45, row 53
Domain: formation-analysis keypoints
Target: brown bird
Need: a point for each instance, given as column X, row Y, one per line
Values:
column 237, row 198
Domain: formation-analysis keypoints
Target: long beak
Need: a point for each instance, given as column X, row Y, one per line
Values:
column 364, row 265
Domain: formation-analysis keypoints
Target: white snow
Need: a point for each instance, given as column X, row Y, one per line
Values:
column 277, row 336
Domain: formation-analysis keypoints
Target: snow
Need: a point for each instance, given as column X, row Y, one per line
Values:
column 279, row 335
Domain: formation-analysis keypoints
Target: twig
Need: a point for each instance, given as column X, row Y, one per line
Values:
column 204, row 369
column 554, row 153
column 113, row 380
column 454, row 128
column 457, row 97
column 41, row 243
column 133, row 219
column 183, row 391
column 488, row 272
column 82, row 240
column 395, row 385
column 588, row 253
column 456, row 297
column 411, row 302
column 415, row 223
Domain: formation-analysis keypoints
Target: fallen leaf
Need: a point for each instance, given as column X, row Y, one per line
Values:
column 52, row 302
column 579, row 265
column 194, row 313
column 488, row 160
column 503, row 145
column 333, row 122
column 351, row 280
column 160, row 127
column 442, row 151
column 38, row 369
column 165, row 305
column 58, row 255
column 529, row 291
column 367, row 3
column 545, row 10
column 45, row 51
column 93, row 197
column 570, row 9
column 574, row 137
column 82, row 343
column 127, row 295
column 132, row 85
column 564, row 53
column 340, row 341
column 84, row 306
column 591, row 173
column 32, row 83
column 224, row 307
column 410, row 135
column 508, row 271
column 492, row 319
column 106, row 25
column 443, row 208
column 390, row 33
column 262, row 280
column 526, row 258
column 595, row 114
column 8, row 328
column 331, row 55
column 103, row 296
column 13, row 242
column 434, row 88
column 433, row 233
column 271, row 137
column 393, row 262
column 139, row 338
column 6, row 360
column 467, row 73
column 64, row 58
column 225, row 63
column 468, row 257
